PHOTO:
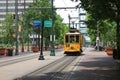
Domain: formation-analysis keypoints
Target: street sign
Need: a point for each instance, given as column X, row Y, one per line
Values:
column 37, row 23
column 48, row 23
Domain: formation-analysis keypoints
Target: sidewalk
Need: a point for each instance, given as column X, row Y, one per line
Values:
column 17, row 70
column 96, row 65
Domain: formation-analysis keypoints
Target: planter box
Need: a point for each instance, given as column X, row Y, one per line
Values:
column 3, row 51
column 35, row 49
column 109, row 52
column 107, row 48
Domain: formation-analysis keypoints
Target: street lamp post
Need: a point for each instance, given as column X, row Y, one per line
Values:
column 52, row 46
column 41, row 57
column 16, row 24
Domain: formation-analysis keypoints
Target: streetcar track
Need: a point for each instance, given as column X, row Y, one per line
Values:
column 60, row 71
column 56, row 73
column 61, row 64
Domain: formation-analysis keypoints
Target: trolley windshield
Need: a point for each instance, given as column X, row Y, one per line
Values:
column 72, row 38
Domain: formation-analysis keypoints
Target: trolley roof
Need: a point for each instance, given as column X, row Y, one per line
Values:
column 72, row 33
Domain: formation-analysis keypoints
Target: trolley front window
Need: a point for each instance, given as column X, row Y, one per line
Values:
column 77, row 38
column 72, row 39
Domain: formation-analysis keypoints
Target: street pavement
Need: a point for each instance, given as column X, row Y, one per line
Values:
column 94, row 65
column 13, row 71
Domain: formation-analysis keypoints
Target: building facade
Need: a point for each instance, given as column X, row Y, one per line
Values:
column 9, row 6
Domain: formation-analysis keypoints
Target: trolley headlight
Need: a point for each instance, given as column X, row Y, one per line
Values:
column 67, row 44
column 72, row 48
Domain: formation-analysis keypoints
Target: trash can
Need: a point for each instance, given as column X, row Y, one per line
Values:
column 10, row 52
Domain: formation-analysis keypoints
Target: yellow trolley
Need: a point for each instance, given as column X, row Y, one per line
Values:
column 73, row 42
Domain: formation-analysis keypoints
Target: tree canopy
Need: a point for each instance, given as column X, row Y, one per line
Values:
column 106, row 13
column 39, row 10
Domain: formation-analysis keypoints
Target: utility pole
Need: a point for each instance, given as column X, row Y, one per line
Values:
column 16, row 25
column 52, row 45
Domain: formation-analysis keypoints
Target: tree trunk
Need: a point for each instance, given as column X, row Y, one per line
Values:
column 118, row 32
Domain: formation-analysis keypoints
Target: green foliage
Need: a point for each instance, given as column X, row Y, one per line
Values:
column 38, row 14
column 106, row 12
column 1, row 45
column 100, row 9
column 60, row 29
column 8, row 28
column 107, row 29
column 8, row 46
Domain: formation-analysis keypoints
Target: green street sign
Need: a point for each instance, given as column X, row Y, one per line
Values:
column 48, row 23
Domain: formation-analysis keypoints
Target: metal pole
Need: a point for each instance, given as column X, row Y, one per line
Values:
column 23, row 27
column 22, row 32
column 98, row 37
column 28, row 45
column 69, row 20
column 16, row 24
column 79, row 18
column 6, row 16
column 6, row 6
column 41, row 57
column 52, row 46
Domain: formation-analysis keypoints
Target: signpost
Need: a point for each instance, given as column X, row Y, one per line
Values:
column 42, row 24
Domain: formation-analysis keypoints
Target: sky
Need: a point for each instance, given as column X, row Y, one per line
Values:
column 64, row 13
column 72, row 12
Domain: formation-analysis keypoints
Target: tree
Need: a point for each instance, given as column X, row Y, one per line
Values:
column 105, row 27
column 60, row 29
column 105, row 9
column 39, row 10
column 8, row 27
column 36, row 12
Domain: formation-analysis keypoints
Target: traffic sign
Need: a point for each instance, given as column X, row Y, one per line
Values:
column 37, row 23
column 48, row 23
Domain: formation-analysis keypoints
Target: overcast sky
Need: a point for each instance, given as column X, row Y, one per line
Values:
column 64, row 13
column 72, row 12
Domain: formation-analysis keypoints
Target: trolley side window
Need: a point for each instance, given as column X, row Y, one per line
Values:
column 77, row 38
column 66, row 38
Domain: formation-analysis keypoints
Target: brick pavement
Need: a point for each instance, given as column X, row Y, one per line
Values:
column 96, row 65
